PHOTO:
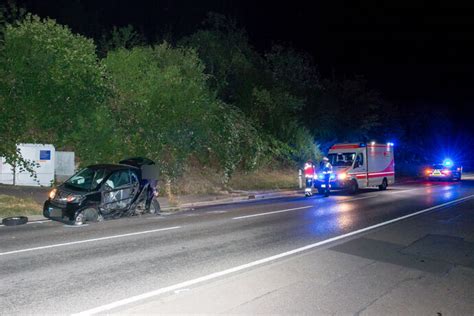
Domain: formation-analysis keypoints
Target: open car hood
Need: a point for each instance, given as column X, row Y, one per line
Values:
column 137, row 162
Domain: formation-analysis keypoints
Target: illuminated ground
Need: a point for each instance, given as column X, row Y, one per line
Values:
column 166, row 264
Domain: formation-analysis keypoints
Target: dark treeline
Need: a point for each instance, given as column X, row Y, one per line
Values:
column 206, row 98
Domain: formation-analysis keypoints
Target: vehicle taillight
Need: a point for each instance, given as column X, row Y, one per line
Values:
column 446, row 171
column 428, row 171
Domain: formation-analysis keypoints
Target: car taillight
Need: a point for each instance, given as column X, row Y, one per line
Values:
column 52, row 193
column 428, row 171
column 446, row 171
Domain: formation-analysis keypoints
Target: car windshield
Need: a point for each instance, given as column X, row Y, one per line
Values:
column 440, row 167
column 87, row 179
column 344, row 159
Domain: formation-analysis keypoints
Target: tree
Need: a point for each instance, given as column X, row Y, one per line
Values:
column 162, row 103
column 233, row 66
column 120, row 37
column 346, row 110
column 52, row 87
column 292, row 71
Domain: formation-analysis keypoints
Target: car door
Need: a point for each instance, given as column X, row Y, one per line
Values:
column 118, row 191
column 360, row 169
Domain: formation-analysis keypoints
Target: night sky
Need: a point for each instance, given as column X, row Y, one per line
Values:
column 417, row 53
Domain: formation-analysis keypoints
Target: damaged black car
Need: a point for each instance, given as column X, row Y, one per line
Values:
column 106, row 191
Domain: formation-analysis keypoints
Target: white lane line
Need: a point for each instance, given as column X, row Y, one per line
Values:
column 33, row 222
column 403, row 191
column 186, row 284
column 300, row 208
column 356, row 199
column 274, row 212
column 39, row 222
column 87, row 241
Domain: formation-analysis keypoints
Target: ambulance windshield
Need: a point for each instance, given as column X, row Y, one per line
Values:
column 342, row 160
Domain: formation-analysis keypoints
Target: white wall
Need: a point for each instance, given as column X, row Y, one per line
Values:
column 41, row 154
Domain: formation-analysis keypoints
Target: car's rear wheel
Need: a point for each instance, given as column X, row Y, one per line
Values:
column 384, row 185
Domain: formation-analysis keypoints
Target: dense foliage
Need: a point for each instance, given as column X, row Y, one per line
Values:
column 210, row 98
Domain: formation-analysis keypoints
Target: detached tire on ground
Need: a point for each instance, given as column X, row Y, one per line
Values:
column 15, row 220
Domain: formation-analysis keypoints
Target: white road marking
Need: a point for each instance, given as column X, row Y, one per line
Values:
column 186, row 284
column 403, row 191
column 181, row 290
column 39, row 222
column 34, row 222
column 87, row 241
column 274, row 212
column 356, row 199
column 216, row 212
column 75, row 226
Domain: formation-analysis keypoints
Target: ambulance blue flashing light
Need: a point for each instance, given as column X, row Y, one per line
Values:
column 447, row 162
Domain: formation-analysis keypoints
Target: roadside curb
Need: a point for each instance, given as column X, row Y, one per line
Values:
column 238, row 199
column 169, row 210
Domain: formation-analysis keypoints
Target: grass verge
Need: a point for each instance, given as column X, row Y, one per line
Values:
column 12, row 206
column 265, row 180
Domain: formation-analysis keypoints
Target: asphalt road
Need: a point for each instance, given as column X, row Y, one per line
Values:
column 52, row 268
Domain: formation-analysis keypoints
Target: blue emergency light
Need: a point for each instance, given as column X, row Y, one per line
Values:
column 447, row 162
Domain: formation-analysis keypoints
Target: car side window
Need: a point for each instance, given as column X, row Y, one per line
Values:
column 359, row 162
column 118, row 179
column 133, row 177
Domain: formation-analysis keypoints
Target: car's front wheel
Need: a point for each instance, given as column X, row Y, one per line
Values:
column 353, row 187
column 90, row 214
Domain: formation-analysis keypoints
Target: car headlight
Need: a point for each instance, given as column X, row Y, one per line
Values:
column 52, row 193
column 342, row 176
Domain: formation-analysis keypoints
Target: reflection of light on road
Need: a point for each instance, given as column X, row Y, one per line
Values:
column 448, row 194
column 333, row 218
column 344, row 219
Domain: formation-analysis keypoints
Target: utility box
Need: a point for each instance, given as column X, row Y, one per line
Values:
column 42, row 156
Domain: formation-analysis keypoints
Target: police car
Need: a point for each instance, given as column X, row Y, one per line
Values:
column 446, row 171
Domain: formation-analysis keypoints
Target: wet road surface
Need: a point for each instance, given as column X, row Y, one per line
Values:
column 52, row 268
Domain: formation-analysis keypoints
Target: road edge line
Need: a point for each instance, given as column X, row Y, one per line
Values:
column 274, row 212
column 87, row 241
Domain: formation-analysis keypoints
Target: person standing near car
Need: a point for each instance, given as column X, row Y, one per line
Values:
column 309, row 174
column 326, row 169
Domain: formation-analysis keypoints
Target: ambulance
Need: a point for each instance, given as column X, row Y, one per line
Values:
column 359, row 165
